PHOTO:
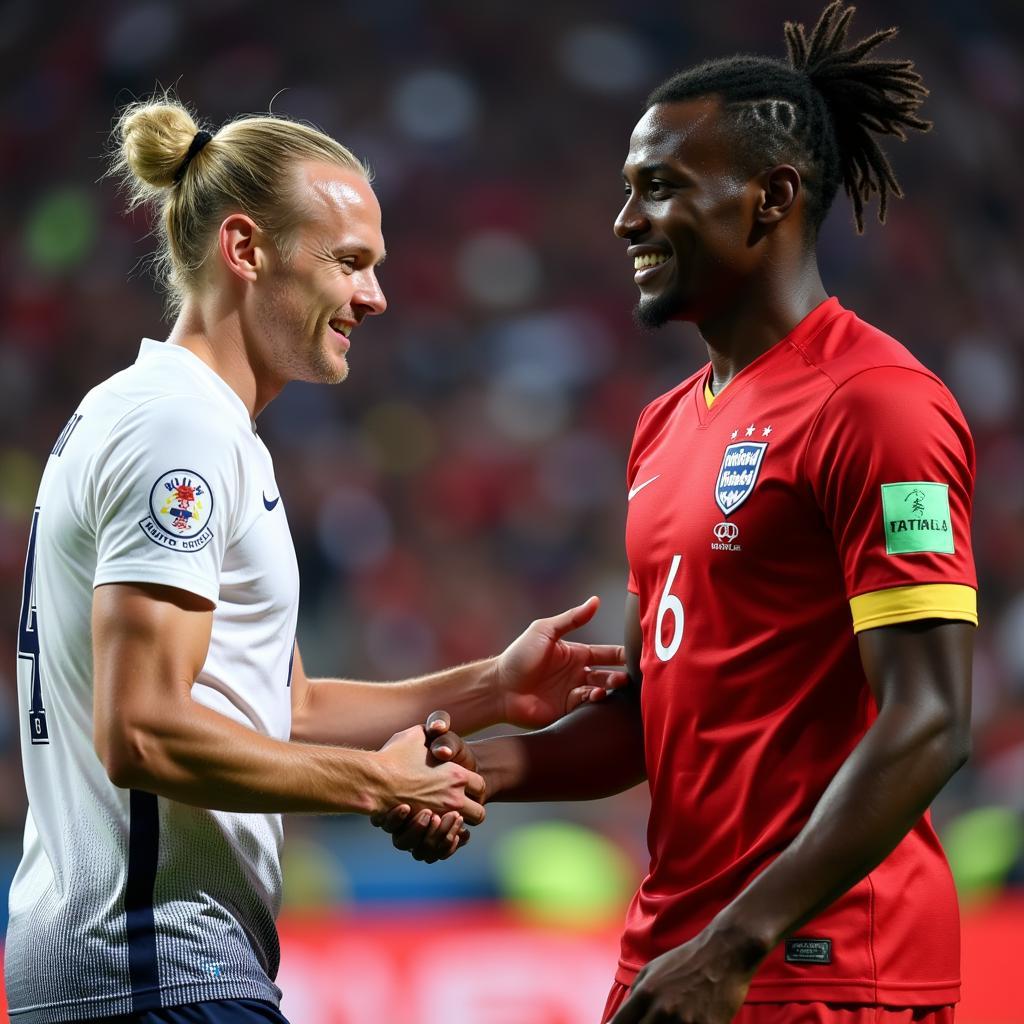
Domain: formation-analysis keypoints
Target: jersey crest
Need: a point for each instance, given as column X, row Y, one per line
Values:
column 180, row 506
column 741, row 464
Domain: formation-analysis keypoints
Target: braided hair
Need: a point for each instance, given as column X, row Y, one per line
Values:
column 820, row 111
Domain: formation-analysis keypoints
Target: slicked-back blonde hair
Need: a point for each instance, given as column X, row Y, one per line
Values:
column 247, row 166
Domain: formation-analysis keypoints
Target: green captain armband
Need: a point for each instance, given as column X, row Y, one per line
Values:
column 916, row 518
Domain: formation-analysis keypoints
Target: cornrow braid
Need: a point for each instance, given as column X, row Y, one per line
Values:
column 863, row 97
column 819, row 111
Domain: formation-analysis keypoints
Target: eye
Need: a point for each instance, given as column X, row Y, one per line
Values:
column 659, row 188
column 348, row 264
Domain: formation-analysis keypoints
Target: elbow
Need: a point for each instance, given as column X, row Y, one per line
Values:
column 960, row 748
column 951, row 746
column 126, row 756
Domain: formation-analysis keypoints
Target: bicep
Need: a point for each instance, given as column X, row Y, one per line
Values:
column 922, row 666
column 149, row 644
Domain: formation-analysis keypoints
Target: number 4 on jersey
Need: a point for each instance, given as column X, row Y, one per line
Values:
column 669, row 605
column 28, row 640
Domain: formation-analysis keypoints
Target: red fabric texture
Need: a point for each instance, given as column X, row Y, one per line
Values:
column 762, row 695
column 813, row 1013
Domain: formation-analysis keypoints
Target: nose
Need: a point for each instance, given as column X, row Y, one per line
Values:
column 631, row 220
column 369, row 296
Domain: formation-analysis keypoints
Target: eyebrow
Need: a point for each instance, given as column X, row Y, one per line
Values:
column 647, row 170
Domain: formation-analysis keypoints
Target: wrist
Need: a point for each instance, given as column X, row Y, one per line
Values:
column 745, row 939
column 493, row 699
column 497, row 763
column 373, row 792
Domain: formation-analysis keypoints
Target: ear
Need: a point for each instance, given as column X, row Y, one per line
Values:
column 241, row 245
column 780, row 188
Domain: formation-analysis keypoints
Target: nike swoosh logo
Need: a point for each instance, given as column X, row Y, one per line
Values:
column 634, row 491
column 270, row 505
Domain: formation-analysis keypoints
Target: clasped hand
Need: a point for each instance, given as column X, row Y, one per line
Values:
column 539, row 678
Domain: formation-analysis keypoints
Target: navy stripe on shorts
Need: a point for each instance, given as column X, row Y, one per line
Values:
column 215, row 1011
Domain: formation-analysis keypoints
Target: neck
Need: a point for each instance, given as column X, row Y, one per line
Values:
column 217, row 338
column 743, row 330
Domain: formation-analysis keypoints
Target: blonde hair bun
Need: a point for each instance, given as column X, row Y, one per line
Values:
column 155, row 139
column 249, row 166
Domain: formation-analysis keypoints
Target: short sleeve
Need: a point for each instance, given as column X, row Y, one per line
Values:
column 165, row 487
column 891, row 463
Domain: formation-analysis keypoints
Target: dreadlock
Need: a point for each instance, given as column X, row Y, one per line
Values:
column 819, row 112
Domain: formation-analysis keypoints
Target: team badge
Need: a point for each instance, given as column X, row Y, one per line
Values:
column 180, row 509
column 741, row 464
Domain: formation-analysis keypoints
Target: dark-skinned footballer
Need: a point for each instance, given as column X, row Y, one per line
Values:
column 802, row 595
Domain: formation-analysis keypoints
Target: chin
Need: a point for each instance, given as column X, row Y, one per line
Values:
column 653, row 311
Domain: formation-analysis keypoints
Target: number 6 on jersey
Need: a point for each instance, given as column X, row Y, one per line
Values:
column 669, row 604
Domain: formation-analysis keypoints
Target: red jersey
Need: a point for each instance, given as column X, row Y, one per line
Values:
column 826, row 490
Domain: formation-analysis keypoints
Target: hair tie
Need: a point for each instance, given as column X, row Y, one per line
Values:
column 201, row 139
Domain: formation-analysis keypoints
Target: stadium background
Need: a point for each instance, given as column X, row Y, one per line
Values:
column 469, row 475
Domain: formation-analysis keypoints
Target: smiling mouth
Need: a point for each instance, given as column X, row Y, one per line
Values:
column 648, row 265
column 340, row 327
column 650, row 259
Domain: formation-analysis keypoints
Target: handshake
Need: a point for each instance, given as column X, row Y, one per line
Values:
column 426, row 784
column 442, row 792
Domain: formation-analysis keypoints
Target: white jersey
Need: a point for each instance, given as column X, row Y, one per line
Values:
column 124, row 901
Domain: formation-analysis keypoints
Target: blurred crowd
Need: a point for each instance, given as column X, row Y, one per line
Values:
column 469, row 475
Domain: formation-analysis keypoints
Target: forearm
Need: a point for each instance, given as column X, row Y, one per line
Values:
column 366, row 714
column 876, row 797
column 197, row 756
column 595, row 752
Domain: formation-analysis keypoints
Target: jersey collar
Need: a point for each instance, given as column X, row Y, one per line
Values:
column 151, row 348
column 816, row 320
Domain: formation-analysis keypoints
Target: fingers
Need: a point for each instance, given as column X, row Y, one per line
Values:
column 604, row 654
column 475, row 785
column 601, row 683
column 430, row 838
column 452, row 747
column 438, row 722
column 473, row 812
column 606, row 679
column 573, row 618
column 391, row 820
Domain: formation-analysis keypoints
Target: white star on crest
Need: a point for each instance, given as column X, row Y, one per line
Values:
column 735, row 434
column 766, row 431
column 750, row 430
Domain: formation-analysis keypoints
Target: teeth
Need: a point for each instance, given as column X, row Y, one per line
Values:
column 341, row 328
column 652, row 259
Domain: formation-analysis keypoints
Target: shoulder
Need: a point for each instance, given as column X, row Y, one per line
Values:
column 871, row 374
column 847, row 347
column 175, row 419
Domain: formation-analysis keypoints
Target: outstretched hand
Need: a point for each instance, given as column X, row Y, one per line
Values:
column 542, row 676
column 428, row 836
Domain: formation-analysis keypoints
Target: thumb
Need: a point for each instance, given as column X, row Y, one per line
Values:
column 438, row 723
column 573, row 618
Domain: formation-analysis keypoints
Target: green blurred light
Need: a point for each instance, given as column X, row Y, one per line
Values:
column 61, row 229
column 314, row 880
column 557, row 873
column 982, row 846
